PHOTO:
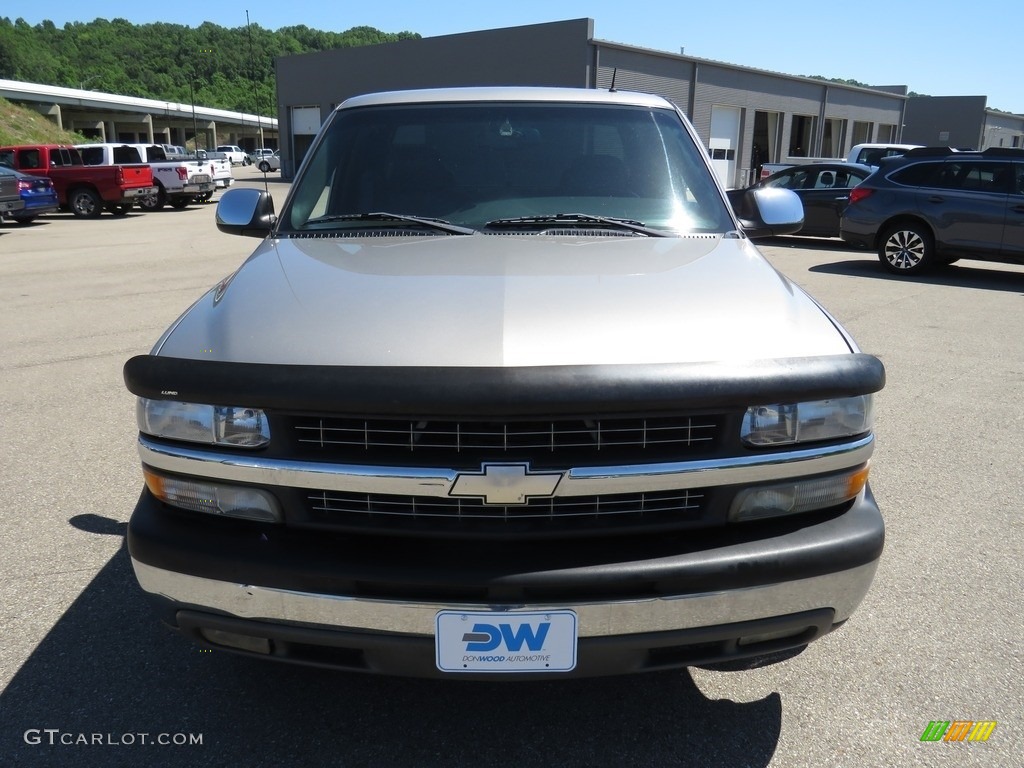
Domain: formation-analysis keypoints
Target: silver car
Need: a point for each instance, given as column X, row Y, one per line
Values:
column 268, row 162
column 506, row 391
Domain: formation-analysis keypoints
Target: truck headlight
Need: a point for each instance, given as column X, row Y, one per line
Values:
column 197, row 423
column 785, row 424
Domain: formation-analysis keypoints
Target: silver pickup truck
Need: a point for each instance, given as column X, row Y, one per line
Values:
column 506, row 391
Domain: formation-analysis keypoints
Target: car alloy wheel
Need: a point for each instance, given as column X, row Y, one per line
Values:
column 906, row 249
column 154, row 201
column 264, row 166
column 85, row 204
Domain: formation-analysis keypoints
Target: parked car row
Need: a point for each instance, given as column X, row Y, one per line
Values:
column 86, row 191
column 92, row 178
column 178, row 182
column 926, row 208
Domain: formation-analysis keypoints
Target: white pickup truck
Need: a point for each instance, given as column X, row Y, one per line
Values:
column 178, row 182
column 219, row 167
column 235, row 154
column 864, row 154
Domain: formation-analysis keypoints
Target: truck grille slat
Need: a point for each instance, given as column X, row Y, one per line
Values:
column 463, row 443
column 466, row 445
column 337, row 507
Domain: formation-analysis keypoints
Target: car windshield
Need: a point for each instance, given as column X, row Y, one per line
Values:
column 505, row 166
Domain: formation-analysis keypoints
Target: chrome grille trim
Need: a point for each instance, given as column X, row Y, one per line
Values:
column 435, row 482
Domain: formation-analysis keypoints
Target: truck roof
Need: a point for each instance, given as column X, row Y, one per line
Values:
column 505, row 93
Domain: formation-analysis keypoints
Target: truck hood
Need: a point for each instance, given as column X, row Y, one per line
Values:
column 503, row 300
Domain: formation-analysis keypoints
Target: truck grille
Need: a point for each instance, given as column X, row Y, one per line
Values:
column 573, row 514
column 467, row 444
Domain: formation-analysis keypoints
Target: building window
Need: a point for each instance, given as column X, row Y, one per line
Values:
column 861, row 132
column 832, row 137
column 886, row 133
column 801, row 135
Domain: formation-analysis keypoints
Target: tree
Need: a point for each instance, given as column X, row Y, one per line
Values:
column 160, row 60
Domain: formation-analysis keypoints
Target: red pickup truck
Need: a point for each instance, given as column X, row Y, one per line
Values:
column 86, row 191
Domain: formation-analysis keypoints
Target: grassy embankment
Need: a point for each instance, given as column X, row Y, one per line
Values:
column 20, row 125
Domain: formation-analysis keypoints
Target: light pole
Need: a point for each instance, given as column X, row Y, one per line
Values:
column 195, row 125
column 255, row 87
column 201, row 52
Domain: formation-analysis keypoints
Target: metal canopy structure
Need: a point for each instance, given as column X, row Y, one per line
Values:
column 110, row 117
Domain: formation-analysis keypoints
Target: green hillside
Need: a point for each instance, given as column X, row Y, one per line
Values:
column 230, row 69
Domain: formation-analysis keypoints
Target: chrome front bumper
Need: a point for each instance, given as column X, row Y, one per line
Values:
column 841, row 591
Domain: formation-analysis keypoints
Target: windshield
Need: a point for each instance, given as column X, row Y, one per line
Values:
column 488, row 166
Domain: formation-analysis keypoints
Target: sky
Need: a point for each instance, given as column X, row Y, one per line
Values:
column 937, row 52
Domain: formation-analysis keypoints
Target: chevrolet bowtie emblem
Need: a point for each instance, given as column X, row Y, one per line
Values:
column 505, row 484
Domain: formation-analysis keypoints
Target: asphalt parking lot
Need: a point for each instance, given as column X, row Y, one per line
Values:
column 938, row 637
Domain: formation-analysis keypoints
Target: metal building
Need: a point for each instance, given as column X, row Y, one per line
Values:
column 961, row 121
column 745, row 116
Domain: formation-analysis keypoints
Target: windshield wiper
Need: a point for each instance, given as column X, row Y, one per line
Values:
column 440, row 224
column 581, row 218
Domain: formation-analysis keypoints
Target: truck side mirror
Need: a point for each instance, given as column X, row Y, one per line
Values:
column 768, row 211
column 247, row 212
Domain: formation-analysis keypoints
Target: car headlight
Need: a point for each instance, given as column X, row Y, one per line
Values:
column 196, row 423
column 786, row 424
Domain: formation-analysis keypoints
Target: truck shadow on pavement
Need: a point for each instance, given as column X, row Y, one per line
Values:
column 987, row 278
column 108, row 668
column 814, row 243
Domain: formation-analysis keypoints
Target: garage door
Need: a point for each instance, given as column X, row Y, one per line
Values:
column 305, row 125
column 725, row 139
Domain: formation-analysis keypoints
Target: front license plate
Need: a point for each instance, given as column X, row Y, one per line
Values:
column 505, row 641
